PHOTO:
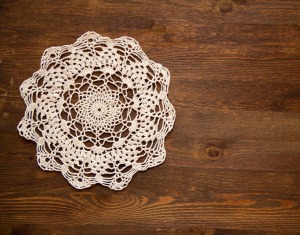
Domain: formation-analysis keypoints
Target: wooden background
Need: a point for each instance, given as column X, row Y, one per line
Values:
column 233, row 157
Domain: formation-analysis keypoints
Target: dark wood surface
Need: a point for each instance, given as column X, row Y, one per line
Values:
column 233, row 157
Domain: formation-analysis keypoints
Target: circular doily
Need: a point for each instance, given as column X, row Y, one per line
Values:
column 98, row 111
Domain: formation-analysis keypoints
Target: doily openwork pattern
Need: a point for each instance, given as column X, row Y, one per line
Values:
column 98, row 111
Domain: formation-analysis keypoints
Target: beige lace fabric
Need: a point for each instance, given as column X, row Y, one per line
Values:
column 98, row 111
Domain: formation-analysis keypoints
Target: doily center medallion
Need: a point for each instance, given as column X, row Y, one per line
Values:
column 98, row 111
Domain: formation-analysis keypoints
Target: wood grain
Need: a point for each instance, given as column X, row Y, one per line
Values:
column 233, row 157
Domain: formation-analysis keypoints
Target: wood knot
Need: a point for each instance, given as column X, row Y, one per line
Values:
column 213, row 152
column 210, row 149
column 224, row 6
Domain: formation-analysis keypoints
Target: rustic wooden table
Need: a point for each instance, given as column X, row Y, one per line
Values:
column 233, row 157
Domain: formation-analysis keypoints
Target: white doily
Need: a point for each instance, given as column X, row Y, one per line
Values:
column 98, row 111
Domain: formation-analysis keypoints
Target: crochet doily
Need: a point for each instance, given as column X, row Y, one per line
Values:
column 98, row 111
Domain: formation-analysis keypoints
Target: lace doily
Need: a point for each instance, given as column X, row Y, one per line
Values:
column 98, row 111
